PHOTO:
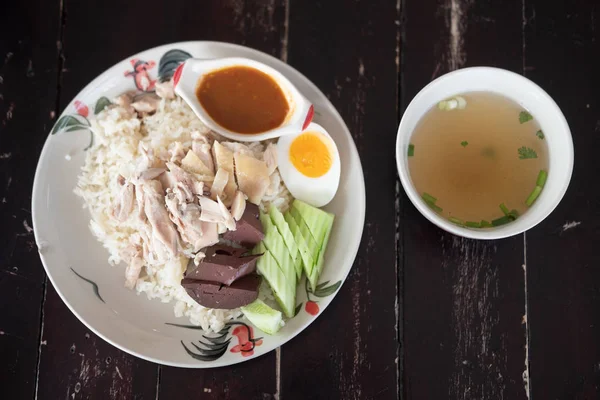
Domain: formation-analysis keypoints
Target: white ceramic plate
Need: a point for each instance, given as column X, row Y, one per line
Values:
column 77, row 264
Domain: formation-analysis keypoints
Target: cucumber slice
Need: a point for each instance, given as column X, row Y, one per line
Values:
column 313, row 246
column 319, row 223
column 268, row 268
column 263, row 317
column 276, row 246
column 317, row 220
column 316, row 272
column 305, row 255
column 288, row 238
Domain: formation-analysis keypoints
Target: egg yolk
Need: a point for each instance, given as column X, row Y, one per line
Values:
column 310, row 155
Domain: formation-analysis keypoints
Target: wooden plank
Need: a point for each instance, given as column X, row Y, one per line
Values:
column 27, row 97
column 77, row 364
column 562, row 55
column 463, row 300
column 348, row 49
column 91, row 46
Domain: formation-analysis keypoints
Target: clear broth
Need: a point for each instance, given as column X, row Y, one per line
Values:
column 471, row 181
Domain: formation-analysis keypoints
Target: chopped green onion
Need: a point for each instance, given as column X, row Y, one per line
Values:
column 429, row 198
column 456, row 221
column 472, row 224
column 541, row 179
column 434, row 207
column 501, row 221
column 485, row 224
column 514, row 214
column 411, row 150
column 464, row 143
column 504, row 209
column 451, row 104
column 533, row 196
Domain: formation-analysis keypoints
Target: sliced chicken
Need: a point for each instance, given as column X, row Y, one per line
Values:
column 186, row 217
column 219, row 183
column 216, row 211
column 223, row 158
column 238, row 206
column 132, row 272
column 270, row 157
column 146, row 103
column 177, row 152
column 167, row 180
column 210, row 235
column 252, row 177
column 185, row 182
column 125, row 200
column 210, row 211
column 148, row 160
column 202, row 149
column 124, row 100
column 165, row 90
column 236, row 147
column 192, row 163
column 154, row 208
column 228, row 219
column 140, row 199
column 151, row 173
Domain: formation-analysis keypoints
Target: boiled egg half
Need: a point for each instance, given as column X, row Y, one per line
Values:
column 309, row 164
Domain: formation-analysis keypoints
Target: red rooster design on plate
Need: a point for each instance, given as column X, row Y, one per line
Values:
column 140, row 74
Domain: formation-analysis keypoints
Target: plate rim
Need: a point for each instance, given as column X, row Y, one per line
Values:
column 37, row 189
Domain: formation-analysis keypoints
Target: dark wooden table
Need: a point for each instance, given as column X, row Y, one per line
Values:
column 423, row 314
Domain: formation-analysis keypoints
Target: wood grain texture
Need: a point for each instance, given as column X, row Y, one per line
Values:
column 350, row 351
column 77, row 364
column 463, row 301
column 27, row 98
column 562, row 47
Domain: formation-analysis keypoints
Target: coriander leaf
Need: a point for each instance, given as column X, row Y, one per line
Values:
column 464, row 143
column 524, row 116
column 540, row 134
column 526, row 152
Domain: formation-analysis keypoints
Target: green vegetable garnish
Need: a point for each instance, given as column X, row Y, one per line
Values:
column 526, row 152
column 456, row 221
column 504, row 209
column 524, row 116
column 533, row 196
column 514, row 214
column 502, row 220
column 429, row 198
column 434, row 207
column 472, row 224
column 464, row 143
column 485, row 224
column 411, row 150
column 540, row 134
column 541, row 179
column 539, row 185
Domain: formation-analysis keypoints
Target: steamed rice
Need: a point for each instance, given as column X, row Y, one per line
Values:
column 117, row 135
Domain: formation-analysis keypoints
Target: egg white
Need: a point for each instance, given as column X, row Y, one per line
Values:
column 314, row 191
